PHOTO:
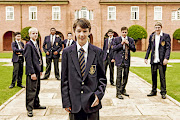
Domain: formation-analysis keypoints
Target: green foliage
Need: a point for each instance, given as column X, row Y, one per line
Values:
column 137, row 32
column 176, row 34
column 25, row 34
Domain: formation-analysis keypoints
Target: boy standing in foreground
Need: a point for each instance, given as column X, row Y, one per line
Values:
column 83, row 79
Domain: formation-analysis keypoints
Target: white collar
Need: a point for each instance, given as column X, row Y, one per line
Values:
column 18, row 41
column 110, row 38
column 34, row 42
column 161, row 33
column 85, row 47
column 124, row 38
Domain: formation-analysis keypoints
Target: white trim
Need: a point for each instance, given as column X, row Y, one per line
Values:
column 157, row 12
column 137, row 13
column 58, row 12
column 111, row 13
column 30, row 17
column 7, row 7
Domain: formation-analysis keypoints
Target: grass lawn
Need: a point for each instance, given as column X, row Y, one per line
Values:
column 172, row 75
column 5, row 80
column 9, row 54
column 174, row 55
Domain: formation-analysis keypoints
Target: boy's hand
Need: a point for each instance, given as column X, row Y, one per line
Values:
column 55, row 53
column 68, row 109
column 96, row 101
column 146, row 61
column 113, row 60
column 47, row 53
column 33, row 77
column 165, row 62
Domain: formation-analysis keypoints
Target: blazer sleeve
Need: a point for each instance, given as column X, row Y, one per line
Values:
column 168, row 47
column 15, row 49
column 117, row 44
column 64, row 81
column 28, row 57
column 102, row 81
column 44, row 45
column 60, row 45
column 149, row 48
column 132, row 45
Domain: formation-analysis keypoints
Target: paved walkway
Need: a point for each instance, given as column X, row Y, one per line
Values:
column 136, row 107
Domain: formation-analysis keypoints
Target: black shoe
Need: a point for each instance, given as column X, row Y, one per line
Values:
column 29, row 113
column 125, row 94
column 40, row 107
column 21, row 86
column 58, row 78
column 113, row 84
column 11, row 86
column 44, row 78
column 163, row 96
column 151, row 94
column 119, row 96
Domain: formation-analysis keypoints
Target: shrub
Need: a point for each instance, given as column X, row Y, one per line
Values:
column 25, row 34
column 176, row 34
column 137, row 32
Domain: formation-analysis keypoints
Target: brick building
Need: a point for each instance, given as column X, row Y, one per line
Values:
column 103, row 14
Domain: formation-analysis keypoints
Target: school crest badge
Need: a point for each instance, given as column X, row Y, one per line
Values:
column 56, row 43
column 163, row 43
column 92, row 69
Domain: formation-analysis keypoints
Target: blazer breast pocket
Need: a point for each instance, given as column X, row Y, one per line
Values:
column 93, row 71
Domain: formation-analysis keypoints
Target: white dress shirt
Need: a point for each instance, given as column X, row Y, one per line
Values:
column 85, row 47
column 53, row 39
column 109, row 41
column 157, row 40
column 68, row 42
column 34, row 42
column 18, row 44
column 122, row 40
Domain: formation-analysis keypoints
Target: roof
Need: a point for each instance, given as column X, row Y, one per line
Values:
column 34, row 1
column 139, row 1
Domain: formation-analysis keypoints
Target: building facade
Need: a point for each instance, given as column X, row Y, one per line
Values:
column 103, row 15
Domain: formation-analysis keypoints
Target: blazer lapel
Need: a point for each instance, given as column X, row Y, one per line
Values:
column 35, row 48
column 74, row 56
column 91, row 56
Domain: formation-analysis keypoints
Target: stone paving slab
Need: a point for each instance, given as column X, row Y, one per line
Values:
column 136, row 107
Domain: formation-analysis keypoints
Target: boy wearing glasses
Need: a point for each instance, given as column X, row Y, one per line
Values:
column 160, row 47
column 122, row 46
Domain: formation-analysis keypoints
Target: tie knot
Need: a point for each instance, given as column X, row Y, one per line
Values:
column 81, row 50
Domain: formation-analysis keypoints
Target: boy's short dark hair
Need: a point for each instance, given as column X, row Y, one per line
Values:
column 83, row 23
column 110, row 30
column 124, row 28
column 17, row 33
column 69, row 33
column 53, row 28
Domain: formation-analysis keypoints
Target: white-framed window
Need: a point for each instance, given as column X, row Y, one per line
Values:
column 56, row 13
column 33, row 13
column 157, row 12
column 175, row 15
column 134, row 12
column 9, row 13
column 84, row 13
column 111, row 13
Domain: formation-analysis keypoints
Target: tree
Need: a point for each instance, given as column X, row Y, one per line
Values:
column 176, row 34
column 25, row 34
column 137, row 32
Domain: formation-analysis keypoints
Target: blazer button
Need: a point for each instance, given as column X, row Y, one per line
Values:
column 82, row 92
column 82, row 83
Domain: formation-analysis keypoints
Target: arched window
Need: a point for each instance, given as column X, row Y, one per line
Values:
column 84, row 13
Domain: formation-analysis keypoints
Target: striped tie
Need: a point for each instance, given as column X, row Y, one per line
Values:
column 82, row 61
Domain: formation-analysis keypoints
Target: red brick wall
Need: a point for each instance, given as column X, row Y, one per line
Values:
column 176, row 45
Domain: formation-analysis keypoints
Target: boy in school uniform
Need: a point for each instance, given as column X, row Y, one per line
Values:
column 68, row 42
column 83, row 79
column 122, row 46
column 18, row 60
column 34, row 69
column 108, row 57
